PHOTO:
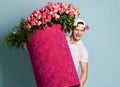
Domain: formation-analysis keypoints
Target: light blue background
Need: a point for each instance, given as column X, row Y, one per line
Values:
column 102, row 41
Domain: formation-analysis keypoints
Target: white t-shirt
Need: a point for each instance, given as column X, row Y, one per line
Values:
column 79, row 52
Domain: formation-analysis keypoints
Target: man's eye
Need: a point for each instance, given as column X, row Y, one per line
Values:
column 82, row 30
column 76, row 30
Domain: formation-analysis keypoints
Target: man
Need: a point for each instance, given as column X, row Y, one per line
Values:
column 78, row 49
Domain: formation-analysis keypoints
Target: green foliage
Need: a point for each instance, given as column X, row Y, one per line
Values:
column 18, row 36
column 66, row 21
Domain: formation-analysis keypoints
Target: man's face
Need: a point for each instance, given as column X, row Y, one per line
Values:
column 77, row 33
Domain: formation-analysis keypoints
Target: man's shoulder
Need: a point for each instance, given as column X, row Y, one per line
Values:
column 83, row 47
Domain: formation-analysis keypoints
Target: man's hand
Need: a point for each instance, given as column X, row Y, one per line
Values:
column 84, row 72
column 80, row 86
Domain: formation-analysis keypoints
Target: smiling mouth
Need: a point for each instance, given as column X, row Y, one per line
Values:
column 77, row 35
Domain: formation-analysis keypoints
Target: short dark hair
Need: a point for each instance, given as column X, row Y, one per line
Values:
column 80, row 23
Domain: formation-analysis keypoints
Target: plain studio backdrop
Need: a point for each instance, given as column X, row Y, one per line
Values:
column 102, row 41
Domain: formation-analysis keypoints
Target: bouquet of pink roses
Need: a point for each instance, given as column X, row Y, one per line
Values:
column 53, row 13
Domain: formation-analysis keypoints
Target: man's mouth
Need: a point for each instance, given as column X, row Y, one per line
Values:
column 78, row 36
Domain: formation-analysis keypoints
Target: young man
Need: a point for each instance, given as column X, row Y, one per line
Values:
column 78, row 49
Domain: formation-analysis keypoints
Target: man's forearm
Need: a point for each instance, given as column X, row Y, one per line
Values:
column 83, row 78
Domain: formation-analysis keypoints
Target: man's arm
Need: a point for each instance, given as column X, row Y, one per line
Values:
column 84, row 73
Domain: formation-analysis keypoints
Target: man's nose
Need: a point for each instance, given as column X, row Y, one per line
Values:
column 80, row 32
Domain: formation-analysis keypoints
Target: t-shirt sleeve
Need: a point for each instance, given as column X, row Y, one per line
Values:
column 83, row 54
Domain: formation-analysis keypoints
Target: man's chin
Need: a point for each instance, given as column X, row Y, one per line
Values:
column 77, row 39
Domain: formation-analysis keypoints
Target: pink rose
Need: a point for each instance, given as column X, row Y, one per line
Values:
column 50, row 3
column 39, row 16
column 67, row 11
column 59, row 3
column 33, row 23
column 57, row 16
column 46, row 9
column 28, row 26
column 51, row 13
column 62, row 10
column 43, row 21
column 48, row 19
column 87, row 27
column 37, row 11
column 71, row 13
column 39, row 23
column 29, row 19
column 44, row 15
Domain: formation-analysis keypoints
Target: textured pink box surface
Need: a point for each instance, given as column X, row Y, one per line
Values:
column 51, row 58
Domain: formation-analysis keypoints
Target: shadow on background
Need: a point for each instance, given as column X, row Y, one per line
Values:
column 15, row 67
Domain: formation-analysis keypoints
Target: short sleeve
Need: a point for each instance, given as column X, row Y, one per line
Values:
column 83, row 54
